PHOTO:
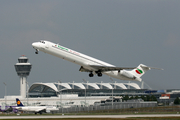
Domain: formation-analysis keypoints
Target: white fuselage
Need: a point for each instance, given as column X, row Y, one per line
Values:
column 31, row 108
column 37, row 108
column 77, row 58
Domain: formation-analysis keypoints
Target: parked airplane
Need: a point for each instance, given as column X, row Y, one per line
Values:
column 89, row 64
column 35, row 109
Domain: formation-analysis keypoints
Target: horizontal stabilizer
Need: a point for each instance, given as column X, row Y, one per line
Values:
column 156, row 68
column 147, row 67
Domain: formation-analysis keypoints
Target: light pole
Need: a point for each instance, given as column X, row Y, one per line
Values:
column 60, row 95
column 58, row 91
column 5, row 94
column 85, row 90
column 112, row 91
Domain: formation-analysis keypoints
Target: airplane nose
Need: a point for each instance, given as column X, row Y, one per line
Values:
column 35, row 45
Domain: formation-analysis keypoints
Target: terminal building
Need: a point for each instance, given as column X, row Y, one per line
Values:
column 91, row 89
column 72, row 94
column 84, row 94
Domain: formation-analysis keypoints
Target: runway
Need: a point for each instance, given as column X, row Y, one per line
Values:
column 88, row 116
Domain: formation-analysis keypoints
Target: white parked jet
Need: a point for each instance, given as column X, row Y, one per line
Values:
column 89, row 64
column 35, row 109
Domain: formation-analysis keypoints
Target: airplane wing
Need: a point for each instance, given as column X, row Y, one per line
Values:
column 103, row 68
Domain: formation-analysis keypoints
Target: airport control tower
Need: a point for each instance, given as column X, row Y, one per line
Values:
column 23, row 69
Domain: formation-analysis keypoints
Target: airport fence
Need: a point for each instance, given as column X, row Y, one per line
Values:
column 108, row 106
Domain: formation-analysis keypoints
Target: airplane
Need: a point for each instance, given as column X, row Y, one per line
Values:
column 35, row 109
column 90, row 64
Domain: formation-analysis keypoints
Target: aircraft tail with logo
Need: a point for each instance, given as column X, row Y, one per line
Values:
column 140, row 71
column 19, row 103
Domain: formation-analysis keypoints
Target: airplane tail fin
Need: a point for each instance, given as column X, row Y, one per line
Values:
column 140, row 70
column 19, row 103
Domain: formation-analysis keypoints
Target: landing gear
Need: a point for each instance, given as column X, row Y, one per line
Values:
column 36, row 51
column 99, row 74
column 91, row 74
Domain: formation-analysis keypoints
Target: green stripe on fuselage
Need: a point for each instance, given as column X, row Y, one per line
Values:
column 63, row 48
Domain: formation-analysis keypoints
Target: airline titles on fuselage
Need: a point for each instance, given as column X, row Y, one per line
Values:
column 66, row 49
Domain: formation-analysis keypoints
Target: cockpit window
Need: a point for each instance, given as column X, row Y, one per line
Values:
column 42, row 41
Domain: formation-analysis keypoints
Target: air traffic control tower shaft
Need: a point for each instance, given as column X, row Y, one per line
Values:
column 23, row 69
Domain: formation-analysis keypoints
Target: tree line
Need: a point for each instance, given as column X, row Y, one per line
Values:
column 145, row 98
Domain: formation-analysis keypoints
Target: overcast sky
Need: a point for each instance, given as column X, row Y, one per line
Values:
column 124, row 33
